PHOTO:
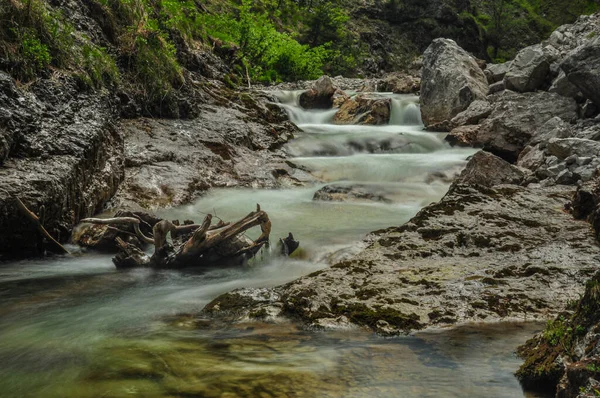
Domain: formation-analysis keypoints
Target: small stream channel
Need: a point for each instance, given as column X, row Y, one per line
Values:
column 77, row 327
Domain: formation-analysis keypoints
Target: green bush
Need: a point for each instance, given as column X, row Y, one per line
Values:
column 34, row 37
column 153, row 62
column 100, row 68
column 269, row 55
column 36, row 55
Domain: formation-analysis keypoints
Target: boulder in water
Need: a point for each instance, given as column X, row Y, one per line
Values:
column 364, row 110
column 451, row 80
column 320, row 95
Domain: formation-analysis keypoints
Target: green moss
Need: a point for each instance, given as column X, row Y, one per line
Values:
column 229, row 302
column 363, row 315
column 259, row 314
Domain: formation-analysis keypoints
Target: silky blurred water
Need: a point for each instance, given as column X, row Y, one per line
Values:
column 77, row 327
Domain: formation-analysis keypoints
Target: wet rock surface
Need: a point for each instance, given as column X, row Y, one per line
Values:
column 364, row 110
column 170, row 162
column 454, row 262
column 510, row 240
column 61, row 154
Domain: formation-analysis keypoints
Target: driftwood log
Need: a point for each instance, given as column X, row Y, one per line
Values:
column 193, row 244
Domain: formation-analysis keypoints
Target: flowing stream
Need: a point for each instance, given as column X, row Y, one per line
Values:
column 77, row 327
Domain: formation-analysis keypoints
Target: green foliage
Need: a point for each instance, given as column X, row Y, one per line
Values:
column 183, row 17
column 557, row 331
column 100, row 68
column 36, row 56
column 34, row 38
column 267, row 54
column 153, row 60
column 593, row 367
column 509, row 25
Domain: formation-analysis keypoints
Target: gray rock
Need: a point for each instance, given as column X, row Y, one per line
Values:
column 563, row 148
column 497, row 87
column 463, row 136
column 582, row 68
column 477, row 111
column 480, row 253
column 517, row 118
column 567, row 38
column 573, row 159
column 528, row 70
column 62, row 156
column 554, row 171
column 565, row 177
column 561, row 85
column 486, row 169
column 589, row 109
column 531, row 158
column 320, row 95
column 171, row 162
column 451, row 80
column 553, row 128
column 496, row 72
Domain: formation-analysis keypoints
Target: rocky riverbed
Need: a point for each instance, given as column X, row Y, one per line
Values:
column 504, row 243
column 513, row 239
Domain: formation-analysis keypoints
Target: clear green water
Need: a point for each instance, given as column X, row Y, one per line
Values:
column 77, row 327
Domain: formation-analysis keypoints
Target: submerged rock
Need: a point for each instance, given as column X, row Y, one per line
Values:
column 342, row 193
column 451, row 81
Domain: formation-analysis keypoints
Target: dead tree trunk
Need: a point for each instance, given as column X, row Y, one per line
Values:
column 193, row 245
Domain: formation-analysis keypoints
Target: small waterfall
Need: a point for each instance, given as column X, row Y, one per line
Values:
column 290, row 101
column 405, row 112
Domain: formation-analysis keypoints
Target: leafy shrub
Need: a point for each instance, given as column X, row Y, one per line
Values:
column 100, row 68
column 153, row 62
column 36, row 55
column 35, row 37
column 268, row 54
